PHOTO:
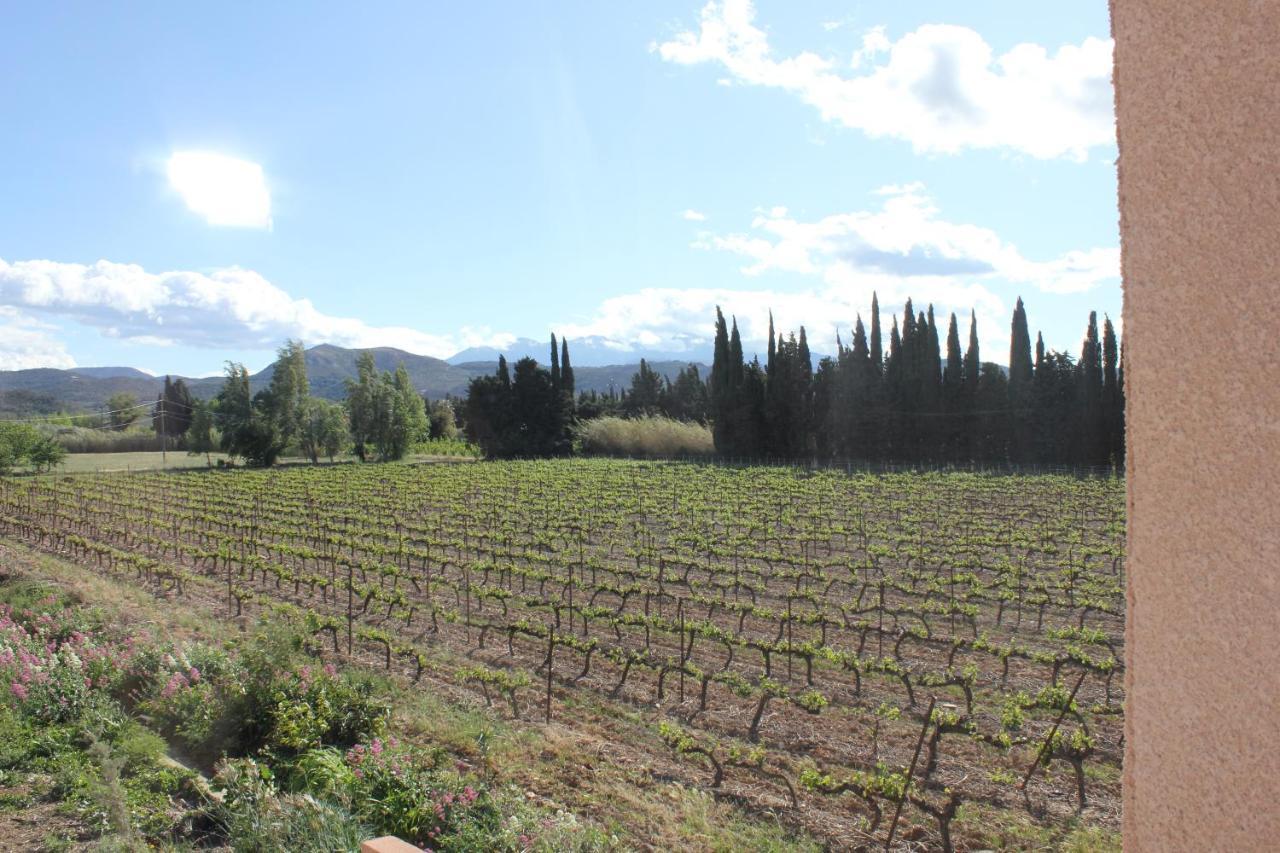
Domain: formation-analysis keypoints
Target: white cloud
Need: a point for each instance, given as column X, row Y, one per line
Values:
column 904, row 249
column 694, row 216
column 906, row 239
column 940, row 87
column 25, row 342
column 675, row 319
column 226, row 309
column 224, row 190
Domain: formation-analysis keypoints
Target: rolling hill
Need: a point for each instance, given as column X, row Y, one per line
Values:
column 44, row 390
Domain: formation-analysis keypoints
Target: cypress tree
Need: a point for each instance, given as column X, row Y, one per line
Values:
column 1121, row 449
column 719, row 379
column 972, row 361
column 953, row 373
column 1020, row 370
column 736, row 366
column 861, row 355
column 932, row 363
column 555, row 363
column 855, row 381
column 973, row 443
column 504, row 375
column 1111, row 400
column 877, row 354
column 803, row 395
column 1094, row 450
column 718, row 386
column 891, row 436
column 1045, row 427
column 566, row 369
column 773, row 349
column 1020, row 375
column 934, row 352
column 953, row 394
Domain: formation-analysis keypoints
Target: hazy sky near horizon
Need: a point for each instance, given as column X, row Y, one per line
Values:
column 187, row 185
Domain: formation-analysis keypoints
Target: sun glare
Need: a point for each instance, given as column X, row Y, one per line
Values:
column 224, row 190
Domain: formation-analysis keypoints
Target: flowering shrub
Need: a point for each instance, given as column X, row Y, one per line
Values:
column 404, row 791
column 62, row 674
column 50, row 667
column 216, row 704
column 314, row 706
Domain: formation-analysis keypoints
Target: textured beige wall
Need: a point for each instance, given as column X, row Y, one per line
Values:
column 1198, row 111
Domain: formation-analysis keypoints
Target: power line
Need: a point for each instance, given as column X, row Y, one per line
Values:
column 47, row 418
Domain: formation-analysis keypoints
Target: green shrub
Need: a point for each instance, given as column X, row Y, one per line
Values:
column 403, row 791
column 255, row 816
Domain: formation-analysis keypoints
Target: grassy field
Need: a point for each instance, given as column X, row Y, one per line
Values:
column 88, row 463
column 665, row 634
column 177, row 460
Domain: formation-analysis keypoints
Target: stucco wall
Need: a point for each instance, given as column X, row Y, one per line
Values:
column 1198, row 110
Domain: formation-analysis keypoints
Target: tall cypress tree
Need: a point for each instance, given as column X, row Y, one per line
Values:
column 1020, row 369
column 555, row 363
column 877, row 354
column 934, row 353
column 1020, row 376
column 736, row 366
column 1111, row 400
column 773, row 349
column 718, row 387
column 953, row 395
column 953, row 373
column 931, row 362
column 891, row 393
column 1094, row 450
column 803, row 396
column 1121, row 447
column 972, row 376
column 566, row 369
column 972, row 360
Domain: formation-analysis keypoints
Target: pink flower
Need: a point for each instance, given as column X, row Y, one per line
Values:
column 376, row 747
column 330, row 670
column 18, row 690
column 193, row 674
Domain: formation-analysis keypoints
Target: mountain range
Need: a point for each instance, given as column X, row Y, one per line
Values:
column 86, row 389
column 591, row 351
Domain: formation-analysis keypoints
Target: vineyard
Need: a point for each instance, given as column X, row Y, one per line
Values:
column 871, row 658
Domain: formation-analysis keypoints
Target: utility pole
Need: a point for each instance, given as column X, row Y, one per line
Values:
column 164, row 437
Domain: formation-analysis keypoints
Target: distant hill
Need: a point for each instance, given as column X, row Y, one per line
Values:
column 43, row 390
column 113, row 372
column 599, row 379
column 593, row 351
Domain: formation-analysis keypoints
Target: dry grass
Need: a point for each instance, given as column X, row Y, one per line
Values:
column 650, row 437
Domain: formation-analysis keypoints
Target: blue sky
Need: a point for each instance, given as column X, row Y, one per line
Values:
column 435, row 176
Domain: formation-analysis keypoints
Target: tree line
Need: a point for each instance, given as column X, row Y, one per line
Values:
column 916, row 402
column 382, row 417
column 922, row 398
